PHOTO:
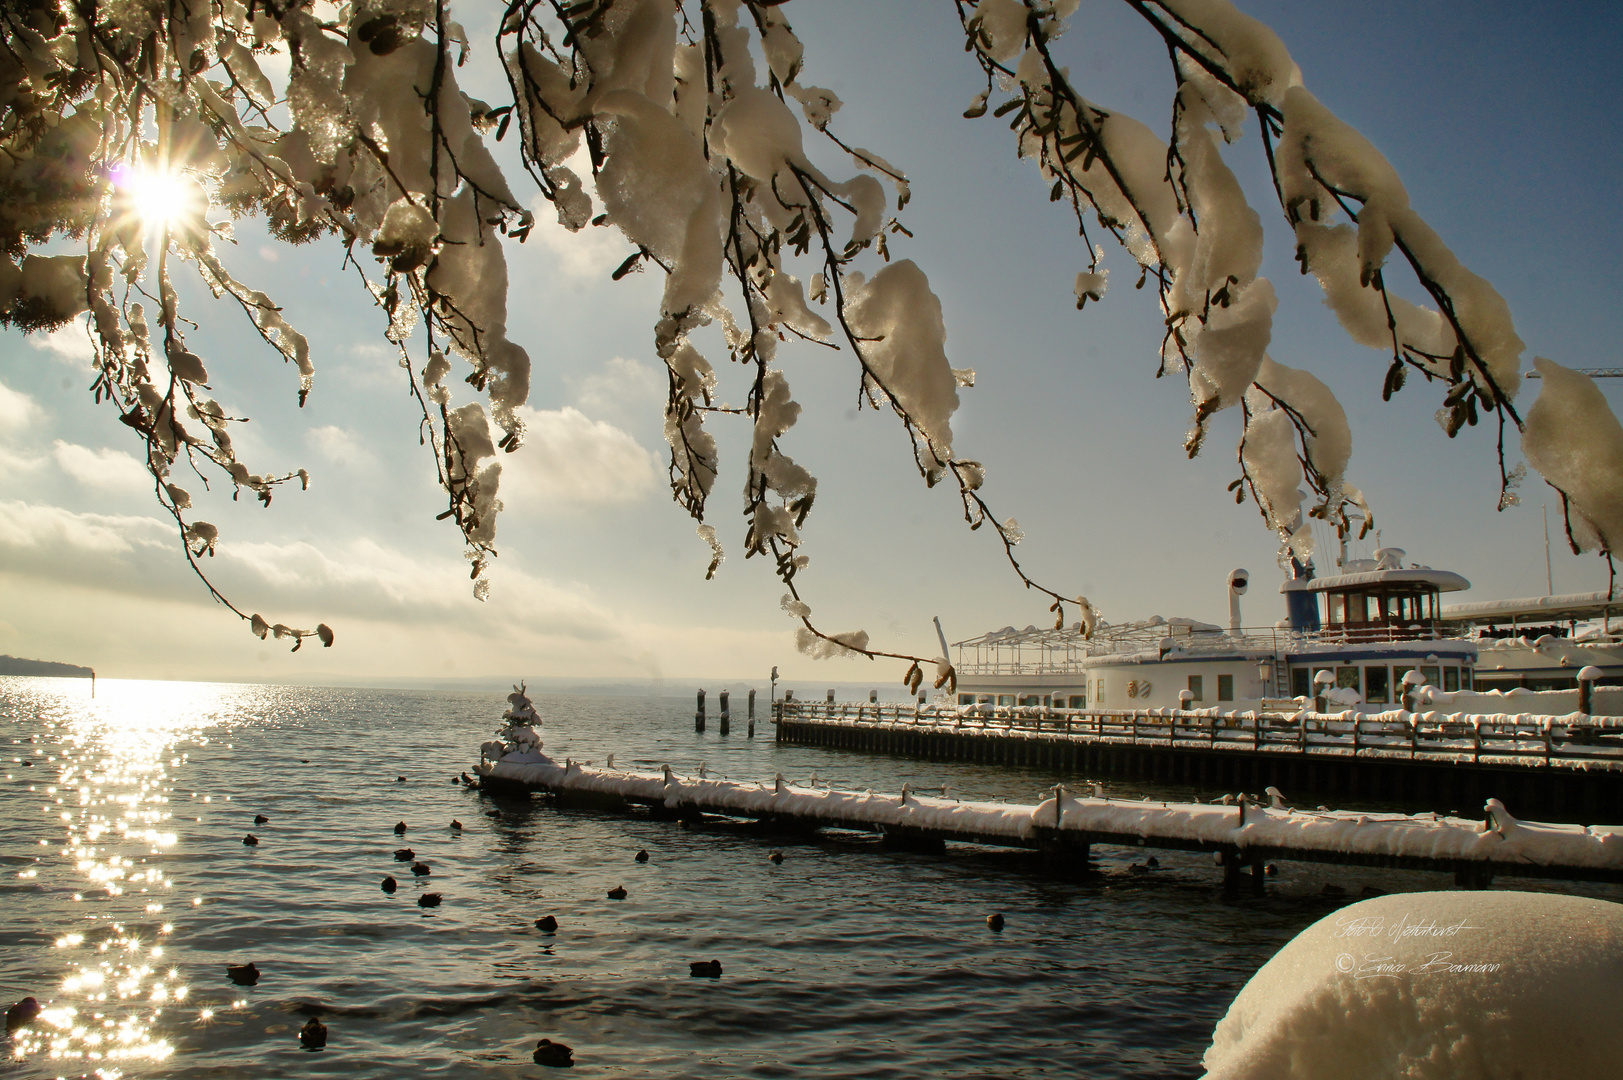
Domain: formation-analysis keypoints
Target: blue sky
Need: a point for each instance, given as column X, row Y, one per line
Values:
column 1500, row 122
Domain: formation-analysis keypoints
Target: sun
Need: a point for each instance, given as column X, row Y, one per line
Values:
column 162, row 199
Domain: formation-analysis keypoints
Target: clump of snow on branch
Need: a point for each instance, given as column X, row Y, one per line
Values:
column 1460, row 985
column 1574, row 439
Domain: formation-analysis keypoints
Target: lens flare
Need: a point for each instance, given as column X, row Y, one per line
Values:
column 160, row 199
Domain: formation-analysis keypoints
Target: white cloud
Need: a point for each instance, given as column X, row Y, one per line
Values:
column 340, row 446
column 17, row 410
column 109, row 470
column 31, row 525
column 621, row 387
column 69, row 344
column 571, row 460
column 586, row 257
column 344, row 579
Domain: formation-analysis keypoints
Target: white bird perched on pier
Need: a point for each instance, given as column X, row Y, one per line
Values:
column 1276, row 798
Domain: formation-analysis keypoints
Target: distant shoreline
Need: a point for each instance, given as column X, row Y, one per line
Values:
column 13, row 665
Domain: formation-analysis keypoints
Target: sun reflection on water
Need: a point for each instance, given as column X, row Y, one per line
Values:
column 108, row 804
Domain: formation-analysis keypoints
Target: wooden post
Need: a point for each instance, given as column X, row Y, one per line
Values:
column 752, row 714
column 726, row 716
column 698, row 716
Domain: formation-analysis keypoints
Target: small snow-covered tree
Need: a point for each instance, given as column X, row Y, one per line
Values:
column 132, row 130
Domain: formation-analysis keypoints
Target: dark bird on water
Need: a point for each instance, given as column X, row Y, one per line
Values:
column 995, row 920
column 617, row 893
column 466, row 779
column 456, row 825
column 1153, row 863
column 493, row 813
column 304, row 761
column 22, row 1014
column 400, row 779
column 404, row 854
column 261, row 819
column 1138, row 868
column 400, row 828
column 776, row 857
column 554, row 1054
column 313, row 1035
column 642, row 856
column 705, row 969
column 420, row 869
column 390, row 885
column 243, row 974
column 429, row 899
column 454, row 780
column 251, row 840
column 546, row 923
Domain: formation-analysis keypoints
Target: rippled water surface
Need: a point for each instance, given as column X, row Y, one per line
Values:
column 127, row 890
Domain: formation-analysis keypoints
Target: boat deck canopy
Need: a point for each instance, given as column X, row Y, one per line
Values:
column 1415, row 579
column 1573, row 606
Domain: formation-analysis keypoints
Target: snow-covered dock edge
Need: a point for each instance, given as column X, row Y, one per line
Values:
column 1240, row 835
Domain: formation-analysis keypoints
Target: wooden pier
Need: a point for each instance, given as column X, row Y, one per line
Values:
column 1555, row 768
column 1067, row 826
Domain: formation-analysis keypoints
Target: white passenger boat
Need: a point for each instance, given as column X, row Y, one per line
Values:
column 1360, row 638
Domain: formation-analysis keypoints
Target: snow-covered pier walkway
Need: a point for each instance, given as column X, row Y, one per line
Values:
column 1068, row 824
column 1565, row 768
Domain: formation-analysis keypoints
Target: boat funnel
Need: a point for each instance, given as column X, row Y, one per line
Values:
column 1239, row 580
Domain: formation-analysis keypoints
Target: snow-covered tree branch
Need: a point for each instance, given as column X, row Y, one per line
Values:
column 131, row 133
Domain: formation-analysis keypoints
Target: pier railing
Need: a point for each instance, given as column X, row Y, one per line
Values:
column 1594, row 742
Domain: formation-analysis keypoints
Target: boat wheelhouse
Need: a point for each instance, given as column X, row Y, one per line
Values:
column 1361, row 631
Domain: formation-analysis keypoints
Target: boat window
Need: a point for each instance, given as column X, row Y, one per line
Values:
column 1347, row 678
column 1376, row 686
column 966, row 699
column 1432, row 675
column 1451, row 679
column 1301, row 682
column 1398, row 672
column 1030, row 699
column 1005, row 699
column 983, row 699
column 1465, row 678
column 1225, row 688
column 1099, row 697
column 1079, row 701
column 1338, row 607
column 1355, row 607
column 1195, row 683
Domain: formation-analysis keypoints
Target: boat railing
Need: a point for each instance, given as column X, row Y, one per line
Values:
column 1568, row 741
column 1041, row 654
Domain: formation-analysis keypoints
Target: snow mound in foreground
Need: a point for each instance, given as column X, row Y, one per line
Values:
column 1435, row 986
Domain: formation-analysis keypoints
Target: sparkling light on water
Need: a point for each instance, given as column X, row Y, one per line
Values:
column 107, row 809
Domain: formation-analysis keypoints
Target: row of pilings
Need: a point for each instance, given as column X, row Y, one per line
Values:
column 1569, row 795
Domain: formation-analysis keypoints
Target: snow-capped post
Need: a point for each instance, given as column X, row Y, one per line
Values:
column 1322, row 683
column 1412, row 682
column 1184, row 699
column 1587, row 677
column 698, row 716
column 873, row 697
column 726, row 716
column 1059, row 805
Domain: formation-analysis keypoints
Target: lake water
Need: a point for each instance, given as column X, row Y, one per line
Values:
column 127, row 890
